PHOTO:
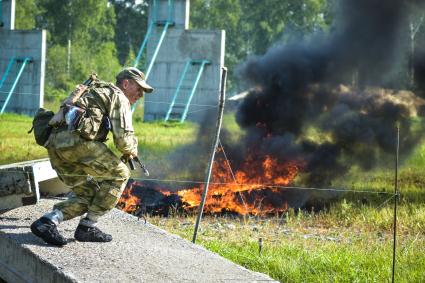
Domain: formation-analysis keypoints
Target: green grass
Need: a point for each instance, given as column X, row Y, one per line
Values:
column 155, row 138
column 15, row 143
column 161, row 137
column 350, row 240
column 306, row 248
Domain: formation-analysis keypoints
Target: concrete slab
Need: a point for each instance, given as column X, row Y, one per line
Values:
column 21, row 183
column 139, row 253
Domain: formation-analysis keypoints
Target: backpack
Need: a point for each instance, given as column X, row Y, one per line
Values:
column 93, row 124
column 41, row 127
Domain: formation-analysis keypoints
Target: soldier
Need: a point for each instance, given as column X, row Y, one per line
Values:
column 81, row 159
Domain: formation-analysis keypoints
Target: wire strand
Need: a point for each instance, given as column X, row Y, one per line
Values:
column 264, row 185
column 386, row 201
column 148, row 101
column 233, row 175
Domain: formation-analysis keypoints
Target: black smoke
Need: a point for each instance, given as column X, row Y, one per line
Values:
column 320, row 102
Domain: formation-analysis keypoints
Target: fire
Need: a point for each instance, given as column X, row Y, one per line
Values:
column 245, row 192
column 128, row 201
column 252, row 189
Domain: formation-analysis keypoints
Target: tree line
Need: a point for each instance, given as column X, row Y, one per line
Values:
column 104, row 35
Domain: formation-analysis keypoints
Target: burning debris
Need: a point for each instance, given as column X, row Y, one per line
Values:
column 249, row 191
column 140, row 198
column 254, row 189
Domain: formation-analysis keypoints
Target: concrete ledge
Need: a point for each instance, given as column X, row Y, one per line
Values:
column 21, row 183
column 139, row 253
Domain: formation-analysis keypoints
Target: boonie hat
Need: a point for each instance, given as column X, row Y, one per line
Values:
column 136, row 75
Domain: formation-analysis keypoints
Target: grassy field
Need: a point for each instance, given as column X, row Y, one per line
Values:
column 154, row 138
column 348, row 241
column 305, row 248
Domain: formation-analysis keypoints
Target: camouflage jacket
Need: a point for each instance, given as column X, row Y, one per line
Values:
column 102, row 99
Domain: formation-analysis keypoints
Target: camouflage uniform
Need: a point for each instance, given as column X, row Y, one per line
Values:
column 96, row 175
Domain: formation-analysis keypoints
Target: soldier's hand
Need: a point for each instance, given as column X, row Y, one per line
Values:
column 133, row 156
column 125, row 157
column 134, row 152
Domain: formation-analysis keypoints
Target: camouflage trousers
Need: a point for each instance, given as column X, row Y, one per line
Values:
column 96, row 176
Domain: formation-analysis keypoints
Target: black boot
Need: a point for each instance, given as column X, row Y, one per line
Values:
column 91, row 234
column 46, row 229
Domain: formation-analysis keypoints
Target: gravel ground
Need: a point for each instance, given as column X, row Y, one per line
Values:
column 139, row 253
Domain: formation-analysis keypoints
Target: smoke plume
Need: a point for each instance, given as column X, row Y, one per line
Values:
column 320, row 102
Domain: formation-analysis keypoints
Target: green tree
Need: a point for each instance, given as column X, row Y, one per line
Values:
column 89, row 21
column 221, row 14
column 25, row 14
column 84, row 31
column 253, row 26
column 130, row 28
column 416, row 33
column 105, row 33
column 275, row 21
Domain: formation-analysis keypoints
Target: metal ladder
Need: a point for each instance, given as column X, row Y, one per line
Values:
column 155, row 22
column 185, row 90
column 12, row 61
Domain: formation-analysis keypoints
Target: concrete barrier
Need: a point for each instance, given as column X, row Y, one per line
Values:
column 139, row 253
column 22, row 183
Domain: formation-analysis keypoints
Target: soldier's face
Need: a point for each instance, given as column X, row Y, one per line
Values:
column 132, row 91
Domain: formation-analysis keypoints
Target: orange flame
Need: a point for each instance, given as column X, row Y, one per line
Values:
column 247, row 191
column 128, row 202
column 228, row 193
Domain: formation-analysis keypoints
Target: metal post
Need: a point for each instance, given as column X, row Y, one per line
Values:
column 68, row 60
column 214, row 146
column 27, row 59
column 395, row 201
